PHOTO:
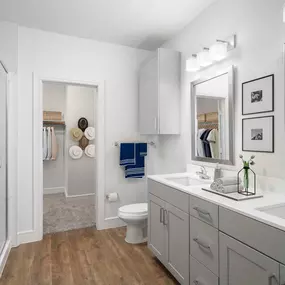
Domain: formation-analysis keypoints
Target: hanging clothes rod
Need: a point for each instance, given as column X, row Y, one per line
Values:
column 150, row 143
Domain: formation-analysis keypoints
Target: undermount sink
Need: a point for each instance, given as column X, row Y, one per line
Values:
column 188, row 181
column 274, row 210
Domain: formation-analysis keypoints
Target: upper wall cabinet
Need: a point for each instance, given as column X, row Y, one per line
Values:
column 159, row 94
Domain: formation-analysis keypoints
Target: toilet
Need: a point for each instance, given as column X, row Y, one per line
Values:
column 135, row 216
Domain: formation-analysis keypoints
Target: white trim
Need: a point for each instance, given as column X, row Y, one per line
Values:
column 114, row 222
column 37, row 152
column 82, row 195
column 4, row 256
column 27, row 236
column 54, row 190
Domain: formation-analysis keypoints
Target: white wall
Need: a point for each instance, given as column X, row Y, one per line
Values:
column 260, row 37
column 54, row 99
column 80, row 102
column 57, row 56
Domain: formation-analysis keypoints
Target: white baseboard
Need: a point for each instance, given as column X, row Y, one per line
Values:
column 4, row 256
column 54, row 190
column 113, row 222
column 27, row 237
column 78, row 196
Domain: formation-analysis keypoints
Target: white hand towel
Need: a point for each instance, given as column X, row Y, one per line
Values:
column 44, row 143
column 214, row 186
column 53, row 144
column 230, row 188
column 225, row 181
column 49, row 143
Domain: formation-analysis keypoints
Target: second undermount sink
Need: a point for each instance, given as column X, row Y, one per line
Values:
column 188, row 181
column 274, row 210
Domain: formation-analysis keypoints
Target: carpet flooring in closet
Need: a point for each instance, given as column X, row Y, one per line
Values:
column 63, row 214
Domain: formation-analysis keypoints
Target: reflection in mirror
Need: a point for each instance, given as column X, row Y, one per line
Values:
column 212, row 119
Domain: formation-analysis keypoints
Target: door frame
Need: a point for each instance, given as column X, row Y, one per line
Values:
column 38, row 81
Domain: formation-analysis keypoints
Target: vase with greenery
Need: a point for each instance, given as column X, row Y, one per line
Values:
column 247, row 174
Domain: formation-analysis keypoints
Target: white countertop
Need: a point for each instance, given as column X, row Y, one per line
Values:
column 247, row 208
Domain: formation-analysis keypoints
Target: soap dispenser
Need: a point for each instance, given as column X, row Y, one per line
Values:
column 217, row 172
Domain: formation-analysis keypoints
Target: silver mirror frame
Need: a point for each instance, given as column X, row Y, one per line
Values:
column 231, row 81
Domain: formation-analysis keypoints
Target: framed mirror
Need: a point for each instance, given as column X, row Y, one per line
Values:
column 212, row 118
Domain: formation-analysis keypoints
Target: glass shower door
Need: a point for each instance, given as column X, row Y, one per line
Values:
column 3, row 157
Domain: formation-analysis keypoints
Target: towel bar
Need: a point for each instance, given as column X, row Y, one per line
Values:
column 150, row 143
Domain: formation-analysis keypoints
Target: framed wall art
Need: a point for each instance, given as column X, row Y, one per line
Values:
column 258, row 134
column 258, row 95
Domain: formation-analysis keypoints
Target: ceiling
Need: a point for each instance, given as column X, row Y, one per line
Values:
column 144, row 24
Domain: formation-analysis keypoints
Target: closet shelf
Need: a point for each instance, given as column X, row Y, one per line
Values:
column 54, row 123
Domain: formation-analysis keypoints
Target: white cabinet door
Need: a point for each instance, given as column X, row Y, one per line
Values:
column 177, row 240
column 156, row 228
column 148, row 98
column 242, row 265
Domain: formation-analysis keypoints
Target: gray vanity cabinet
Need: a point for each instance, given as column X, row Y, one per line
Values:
column 168, row 232
column 282, row 274
column 156, row 228
column 240, row 264
column 177, row 240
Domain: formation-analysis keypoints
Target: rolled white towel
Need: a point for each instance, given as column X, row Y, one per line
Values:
column 225, row 181
column 214, row 186
column 229, row 188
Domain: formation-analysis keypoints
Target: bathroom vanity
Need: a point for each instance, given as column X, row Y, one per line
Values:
column 206, row 239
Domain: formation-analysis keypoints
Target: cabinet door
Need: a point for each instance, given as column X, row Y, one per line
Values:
column 156, row 228
column 177, row 240
column 240, row 264
column 148, row 98
column 282, row 274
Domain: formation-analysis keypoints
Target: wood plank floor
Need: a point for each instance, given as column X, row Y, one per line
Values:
column 84, row 256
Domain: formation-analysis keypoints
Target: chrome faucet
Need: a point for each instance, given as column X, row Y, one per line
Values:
column 203, row 173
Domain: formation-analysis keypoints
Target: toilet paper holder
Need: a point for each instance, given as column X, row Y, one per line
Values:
column 112, row 197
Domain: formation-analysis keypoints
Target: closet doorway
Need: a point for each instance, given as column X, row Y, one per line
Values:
column 68, row 136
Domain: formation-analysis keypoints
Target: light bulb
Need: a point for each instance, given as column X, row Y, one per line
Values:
column 192, row 64
column 204, row 58
column 219, row 51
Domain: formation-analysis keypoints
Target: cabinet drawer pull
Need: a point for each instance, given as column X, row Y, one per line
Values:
column 201, row 211
column 271, row 278
column 200, row 243
column 161, row 215
column 165, row 217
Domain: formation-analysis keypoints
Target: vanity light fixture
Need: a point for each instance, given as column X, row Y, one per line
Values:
column 204, row 57
column 219, row 50
column 192, row 63
column 209, row 56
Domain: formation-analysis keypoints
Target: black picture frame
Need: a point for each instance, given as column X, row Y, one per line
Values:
column 273, row 95
column 272, row 135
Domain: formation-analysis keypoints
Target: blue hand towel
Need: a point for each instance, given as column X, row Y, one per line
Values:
column 143, row 149
column 127, row 154
column 137, row 170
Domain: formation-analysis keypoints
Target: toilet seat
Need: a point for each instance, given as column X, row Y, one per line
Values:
column 134, row 210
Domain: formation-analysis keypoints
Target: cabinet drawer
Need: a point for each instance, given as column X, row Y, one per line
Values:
column 199, row 274
column 204, row 211
column 170, row 195
column 204, row 244
column 264, row 238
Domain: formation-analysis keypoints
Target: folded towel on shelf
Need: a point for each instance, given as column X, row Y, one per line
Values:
column 138, row 169
column 127, row 154
column 229, row 188
column 142, row 149
column 53, row 144
column 225, row 181
column 44, row 135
